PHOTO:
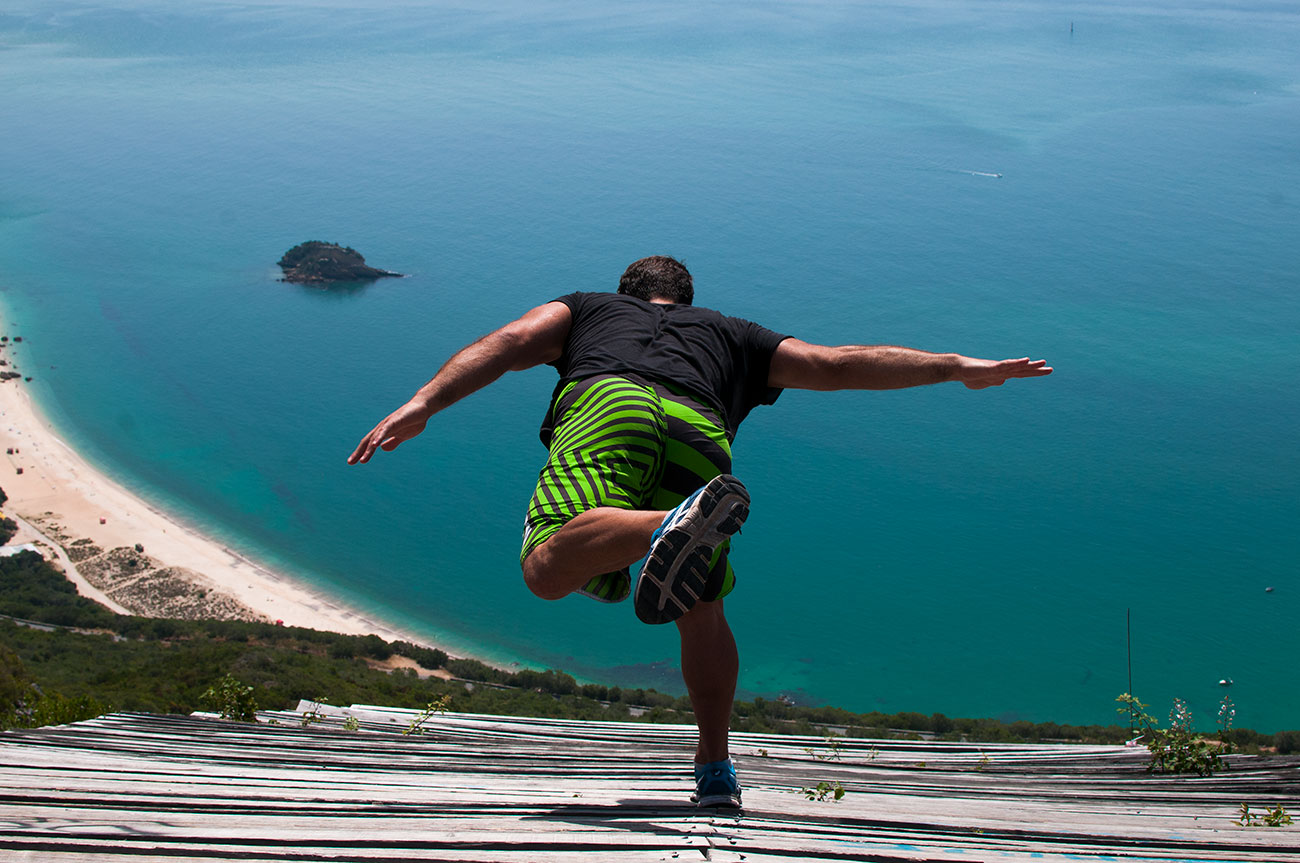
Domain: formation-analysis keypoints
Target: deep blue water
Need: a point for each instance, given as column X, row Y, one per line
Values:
column 821, row 167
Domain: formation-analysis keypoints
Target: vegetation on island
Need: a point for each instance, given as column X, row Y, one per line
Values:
column 315, row 262
column 72, row 659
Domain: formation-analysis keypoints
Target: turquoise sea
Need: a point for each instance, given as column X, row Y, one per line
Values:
column 1114, row 187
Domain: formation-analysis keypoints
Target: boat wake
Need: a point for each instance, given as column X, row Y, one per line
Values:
column 981, row 174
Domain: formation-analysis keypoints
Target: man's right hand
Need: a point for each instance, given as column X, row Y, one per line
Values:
column 401, row 425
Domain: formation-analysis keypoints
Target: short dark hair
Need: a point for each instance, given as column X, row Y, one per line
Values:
column 658, row 277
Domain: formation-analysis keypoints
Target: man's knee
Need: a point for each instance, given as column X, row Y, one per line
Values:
column 538, row 576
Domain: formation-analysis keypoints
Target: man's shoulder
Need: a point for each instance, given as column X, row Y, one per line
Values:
column 720, row 320
column 593, row 299
column 593, row 302
column 602, row 304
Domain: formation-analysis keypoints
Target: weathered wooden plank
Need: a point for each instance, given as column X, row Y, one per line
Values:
column 490, row 788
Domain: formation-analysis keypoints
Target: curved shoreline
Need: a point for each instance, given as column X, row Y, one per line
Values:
column 65, row 498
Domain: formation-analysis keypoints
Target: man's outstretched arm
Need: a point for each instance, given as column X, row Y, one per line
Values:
column 801, row 365
column 536, row 338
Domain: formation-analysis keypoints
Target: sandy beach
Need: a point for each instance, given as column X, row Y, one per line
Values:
column 119, row 550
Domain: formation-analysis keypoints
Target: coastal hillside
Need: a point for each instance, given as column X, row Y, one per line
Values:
column 66, row 657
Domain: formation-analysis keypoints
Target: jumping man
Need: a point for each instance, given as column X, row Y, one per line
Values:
column 639, row 429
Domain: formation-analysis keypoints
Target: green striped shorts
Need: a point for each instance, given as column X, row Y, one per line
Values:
column 633, row 444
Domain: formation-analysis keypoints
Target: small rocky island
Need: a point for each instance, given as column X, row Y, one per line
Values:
column 316, row 263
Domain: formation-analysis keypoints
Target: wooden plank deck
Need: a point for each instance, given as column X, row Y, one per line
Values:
column 482, row 788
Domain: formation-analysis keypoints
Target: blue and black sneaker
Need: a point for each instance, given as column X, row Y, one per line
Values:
column 677, row 567
column 716, row 785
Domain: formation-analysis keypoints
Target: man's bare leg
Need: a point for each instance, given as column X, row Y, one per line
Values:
column 606, row 539
column 600, row 540
column 710, row 665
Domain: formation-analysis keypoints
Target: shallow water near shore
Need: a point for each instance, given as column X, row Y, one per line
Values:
column 1112, row 188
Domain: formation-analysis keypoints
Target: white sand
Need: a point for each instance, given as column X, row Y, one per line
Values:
column 88, row 504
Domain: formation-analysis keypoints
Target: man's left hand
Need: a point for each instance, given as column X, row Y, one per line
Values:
column 978, row 374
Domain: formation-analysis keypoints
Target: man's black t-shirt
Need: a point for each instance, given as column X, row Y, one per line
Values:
column 723, row 361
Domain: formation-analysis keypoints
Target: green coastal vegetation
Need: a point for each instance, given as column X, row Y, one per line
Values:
column 64, row 657
column 8, row 527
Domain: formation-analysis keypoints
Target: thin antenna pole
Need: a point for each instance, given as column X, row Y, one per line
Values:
column 1128, row 636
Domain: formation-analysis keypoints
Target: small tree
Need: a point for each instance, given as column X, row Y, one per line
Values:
column 438, row 705
column 232, row 699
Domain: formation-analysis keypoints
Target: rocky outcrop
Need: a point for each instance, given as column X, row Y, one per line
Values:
column 316, row 263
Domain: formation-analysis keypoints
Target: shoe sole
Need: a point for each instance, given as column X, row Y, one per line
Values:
column 719, row 801
column 677, row 567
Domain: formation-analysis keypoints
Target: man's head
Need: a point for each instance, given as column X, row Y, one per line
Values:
column 658, row 277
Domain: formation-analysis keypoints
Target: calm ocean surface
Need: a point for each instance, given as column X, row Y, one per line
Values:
column 823, row 168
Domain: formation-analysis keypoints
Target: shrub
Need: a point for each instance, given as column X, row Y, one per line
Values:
column 472, row 669
column 56, row 709
column 554, row 682
column 1287, row 742
column 912, row 721
column 343, row 649
column 374, row 647
column 1177, row 749
column 24, row 705
column 232, row 699
column 426, row 657
column 15, row 683
column 33, row 590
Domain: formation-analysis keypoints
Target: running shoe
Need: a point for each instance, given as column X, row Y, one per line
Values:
column 676, row 569
column 716, row 785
